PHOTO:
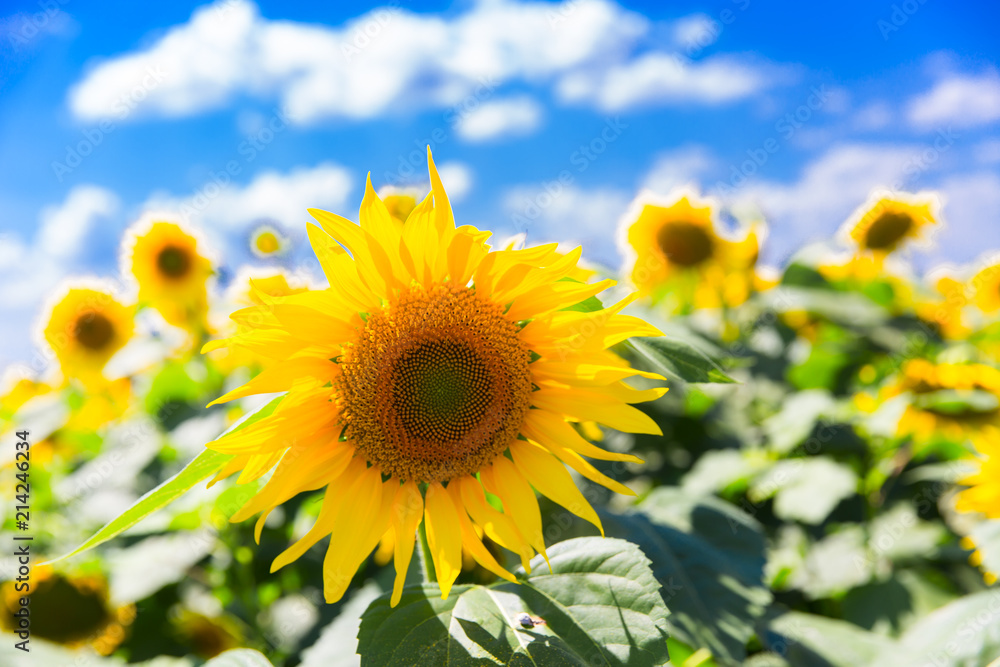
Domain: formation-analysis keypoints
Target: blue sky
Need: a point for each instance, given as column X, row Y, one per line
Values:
column 547, row 118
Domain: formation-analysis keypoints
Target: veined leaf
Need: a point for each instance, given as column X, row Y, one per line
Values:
column 709, row 558
column 806, row 640
column 600, row 606
column 201, row 467
column 679, row 359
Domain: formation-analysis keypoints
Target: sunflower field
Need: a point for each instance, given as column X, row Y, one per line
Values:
column 454, row 450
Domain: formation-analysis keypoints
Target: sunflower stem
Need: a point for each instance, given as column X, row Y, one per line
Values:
column 426, row 562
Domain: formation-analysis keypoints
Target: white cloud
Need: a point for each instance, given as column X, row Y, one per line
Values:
column 875, row 116
column 516, row 116
column 65, row 227
column 391, row 59
column 972, row 208
column 664, row 78
column 456, row 178
column 29, row 271
column 959, row 100
column 365, row 67
column 826, row 192
column 677, row 168
column 569, row 214
column 283, row 197
column 695, row 32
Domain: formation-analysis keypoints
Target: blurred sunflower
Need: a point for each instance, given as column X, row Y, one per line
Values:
column 945, row 309
column 399, row 203
column 207, row 637
column 983, row 494
column 986, row 289
column 70, row 610
column 171, row 272
column 956, row 401
column 85, row 328
column 885, row 223
column 429, row 359
column 677, row 251
column 268, row 241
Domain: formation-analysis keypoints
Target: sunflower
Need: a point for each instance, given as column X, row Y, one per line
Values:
column 944, row 310
column 85, row 328
column 888, row 220
column 268, row 241
column 433, row 382
column 986, row 289
column 171, row 272
column 676, row 249
column 983, row 494
column 72, row 610
column 244, row 291
column 399, row 203
column 956, row 401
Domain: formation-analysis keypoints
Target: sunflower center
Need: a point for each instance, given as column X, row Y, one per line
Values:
column 887, row 230
column 267, row 243
column 684, row 243
column 93, row 331
column 436, row 386
column 173, row 262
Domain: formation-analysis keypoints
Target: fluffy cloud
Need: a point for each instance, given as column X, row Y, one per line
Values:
column 29, row 270
column 491, row 120
column 391, row 58
column 826, row 192
column 273, row 195
column 569, row 214
column 677, row 168
column 65, row 227
column 664, row 78
column 972, row 212
column 959, row 100
column 456, row 178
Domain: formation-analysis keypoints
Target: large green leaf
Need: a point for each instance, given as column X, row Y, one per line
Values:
column 963, row 633
column 200, row 468
column 805, row 640
column 679, row 359
column 600, row 605
column 709, row 557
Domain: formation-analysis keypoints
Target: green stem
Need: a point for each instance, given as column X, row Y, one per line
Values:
column 426, row 562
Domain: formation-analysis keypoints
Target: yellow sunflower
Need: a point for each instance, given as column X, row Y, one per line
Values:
column 956, row 401
column 983, row 494
column 85, row 328
column 944, row 310
column 268, row 241
column 72, row 610
column 986, row 289
column 889, row 220
column 433, row 381
column 677, row 251
column 171, row 272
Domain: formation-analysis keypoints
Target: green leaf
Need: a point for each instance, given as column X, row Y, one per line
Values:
column 709, row 557
column 805, row 489
column 203, row 466
column 589, row 305
column 600, row 605
column 679, row 359
column 239, row 657
column 963, row 633
column 805, row 640
column 954, row 402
